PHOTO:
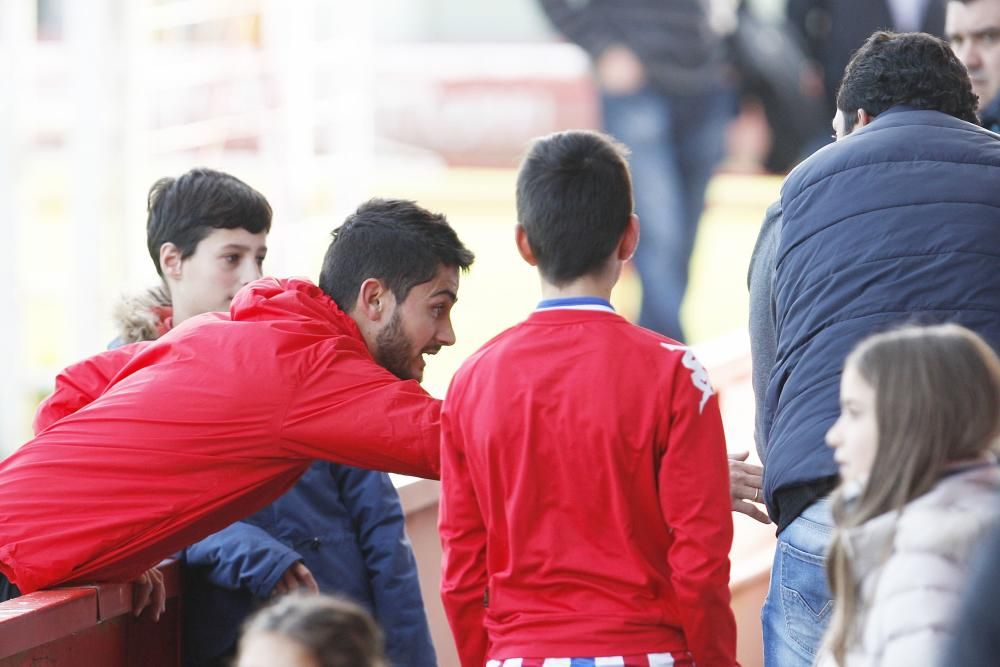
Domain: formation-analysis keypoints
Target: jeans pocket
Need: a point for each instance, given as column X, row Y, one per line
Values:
column 805, row 597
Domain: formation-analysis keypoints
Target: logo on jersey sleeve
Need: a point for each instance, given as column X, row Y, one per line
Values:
column 699, row 376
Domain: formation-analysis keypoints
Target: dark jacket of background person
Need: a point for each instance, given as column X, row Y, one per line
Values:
column 347, row 526
column 976, row 640
column 897, row 222
column 990, row 114
column 834, row 29
column 680, row 53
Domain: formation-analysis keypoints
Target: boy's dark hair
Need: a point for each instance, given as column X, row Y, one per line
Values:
column 913, row 68
column 574, row 199
column 184, row 210
column 392, row 240
column 336, row 632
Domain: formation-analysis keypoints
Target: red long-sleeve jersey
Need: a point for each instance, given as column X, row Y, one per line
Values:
column 585, row 502
column 148, row 448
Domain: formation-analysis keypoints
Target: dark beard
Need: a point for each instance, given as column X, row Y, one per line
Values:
column 392, row 349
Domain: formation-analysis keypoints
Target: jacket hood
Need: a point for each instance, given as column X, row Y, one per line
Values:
column 146, row 315
column 295, row 300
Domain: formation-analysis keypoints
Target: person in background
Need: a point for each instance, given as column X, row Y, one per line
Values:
column 973, row 28
column 311, row 631
column 887, row 225
column 662, row 73
column 916, row 444
column 831, row 31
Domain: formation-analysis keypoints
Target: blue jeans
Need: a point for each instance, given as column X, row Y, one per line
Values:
column 798, row 604
column 676, row 143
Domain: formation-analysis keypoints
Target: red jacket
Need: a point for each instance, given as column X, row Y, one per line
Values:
column 145, row 449
column 585, row 505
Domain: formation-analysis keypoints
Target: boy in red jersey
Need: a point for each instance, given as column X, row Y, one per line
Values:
column 585, row 511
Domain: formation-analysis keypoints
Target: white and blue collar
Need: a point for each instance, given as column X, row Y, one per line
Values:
column 575, row 303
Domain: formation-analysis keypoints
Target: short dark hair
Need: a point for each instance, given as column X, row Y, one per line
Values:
column 184, row 210
column 337, row 633
column 911, row 68
column 393, row 240
column 574, row 199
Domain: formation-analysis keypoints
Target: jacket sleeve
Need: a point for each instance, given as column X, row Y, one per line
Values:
column 763, row 333
column 347, row 409
column 80, row 384
column 463, row 543
column 581, row 23
column 694, row 497
column 242, row 556
column 373, row 504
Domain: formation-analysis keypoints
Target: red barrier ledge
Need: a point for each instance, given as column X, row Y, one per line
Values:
column 90, row 625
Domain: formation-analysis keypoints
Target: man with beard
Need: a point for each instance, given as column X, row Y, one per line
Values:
column 146, row 449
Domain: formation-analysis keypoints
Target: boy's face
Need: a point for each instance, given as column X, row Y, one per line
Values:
column 224, row 261
column 419, row 325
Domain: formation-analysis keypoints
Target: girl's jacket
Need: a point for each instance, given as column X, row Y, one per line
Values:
column 148, row 448
column 912, row 567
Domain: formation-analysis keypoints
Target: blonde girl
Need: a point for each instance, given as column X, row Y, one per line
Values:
column 915, row 441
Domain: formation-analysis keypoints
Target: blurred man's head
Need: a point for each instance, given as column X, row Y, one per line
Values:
column 394, row 268
column 207, row 235
column 574, row 203
column 973, row 28
column 912, row 69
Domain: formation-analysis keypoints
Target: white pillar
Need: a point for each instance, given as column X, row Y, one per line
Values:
column 17, row 41
column 95, row 66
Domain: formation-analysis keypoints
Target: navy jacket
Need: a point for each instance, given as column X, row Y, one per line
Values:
column 346, row 525
column 899, row 222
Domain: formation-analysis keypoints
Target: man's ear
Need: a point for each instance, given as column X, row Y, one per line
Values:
column 629, row 240
column 374, row 299
column 523, row 247
column 170, row 261
column 863, row 119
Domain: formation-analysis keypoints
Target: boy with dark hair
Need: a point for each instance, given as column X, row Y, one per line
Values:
column 339, row 529
column 207, row 236
column 584, row 507
column 145, row 449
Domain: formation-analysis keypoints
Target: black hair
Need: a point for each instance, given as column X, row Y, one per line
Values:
column 574, row 199
column 911, row 68
column 393, row 240
column 184, row 210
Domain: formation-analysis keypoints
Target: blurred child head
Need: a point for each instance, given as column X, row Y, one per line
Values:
column 913, row 401
column 574, row 204
column 311, row 631
column 206, row 233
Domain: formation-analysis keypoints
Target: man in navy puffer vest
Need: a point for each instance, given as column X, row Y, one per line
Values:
column 898, row 221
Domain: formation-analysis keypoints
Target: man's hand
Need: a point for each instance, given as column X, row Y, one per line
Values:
column 745, row 486
column 619, row 70
column 296, row 577
column 149, row 591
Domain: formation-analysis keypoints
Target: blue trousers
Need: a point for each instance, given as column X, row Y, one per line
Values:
column 798, row 605
column 676, row 142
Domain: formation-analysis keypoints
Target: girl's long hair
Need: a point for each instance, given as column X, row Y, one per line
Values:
column 937, row 401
